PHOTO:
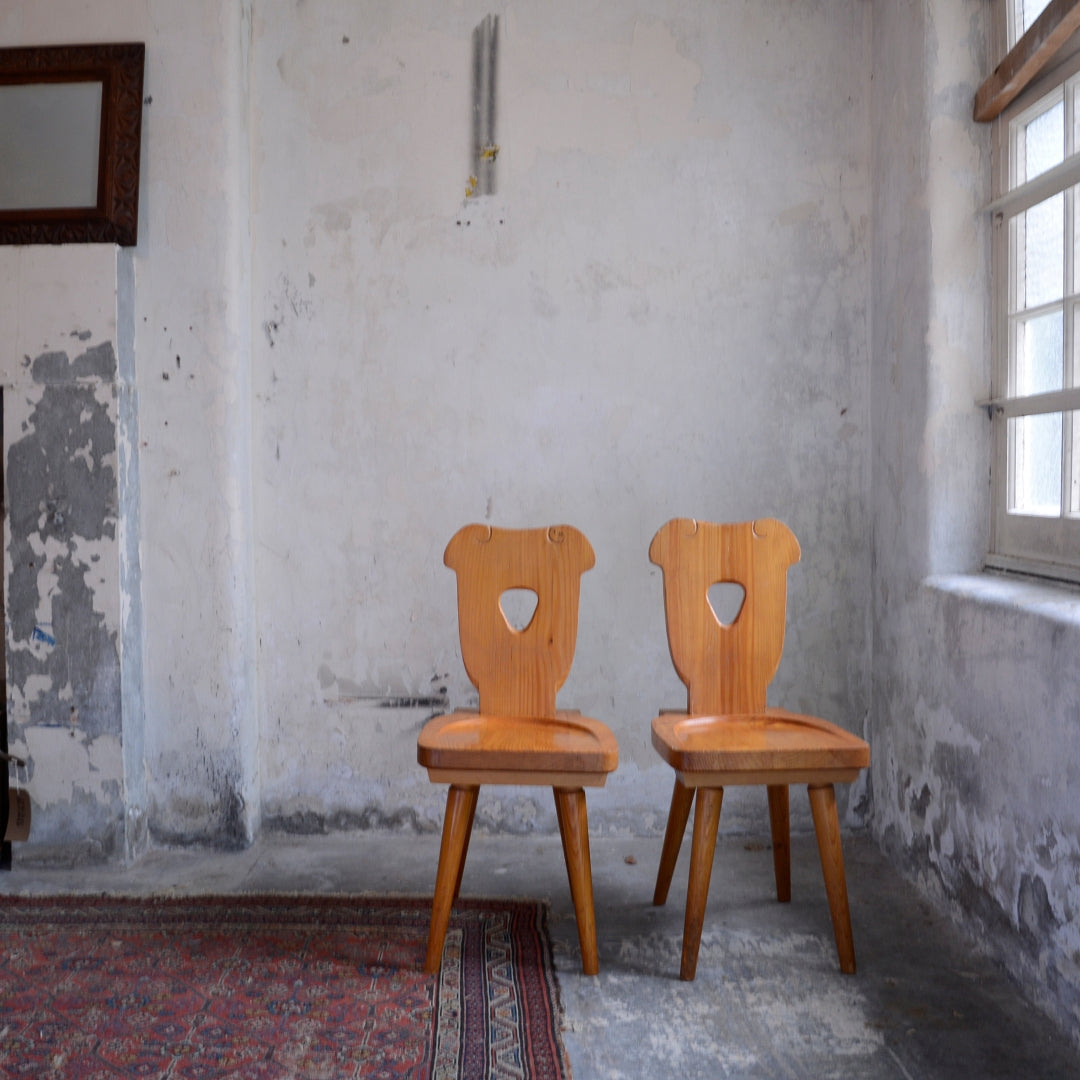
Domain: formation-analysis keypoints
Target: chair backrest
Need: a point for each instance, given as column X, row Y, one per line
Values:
column 518, row 672
column 726, row 669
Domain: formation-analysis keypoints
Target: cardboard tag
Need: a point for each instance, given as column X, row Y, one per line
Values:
column 18, row 826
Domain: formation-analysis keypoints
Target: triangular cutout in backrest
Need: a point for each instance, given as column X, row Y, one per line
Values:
column 726, row 598
column 518, row 607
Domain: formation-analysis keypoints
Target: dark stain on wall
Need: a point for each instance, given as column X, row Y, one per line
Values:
column 920, row 803
column 218, row 821
column 1033, row 912
column 961, row 772
column 312, row 823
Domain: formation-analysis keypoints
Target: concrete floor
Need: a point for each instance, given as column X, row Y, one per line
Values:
column 768, row 1001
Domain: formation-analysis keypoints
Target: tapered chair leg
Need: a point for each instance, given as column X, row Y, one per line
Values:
column 561, row 806
column 827, row 827
column 681, row 799
column 460, row 808
column 465, row 848
column 780, row 821
column 574, row 829
column 706, row 822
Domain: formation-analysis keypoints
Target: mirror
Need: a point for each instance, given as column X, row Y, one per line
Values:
column 70, row 126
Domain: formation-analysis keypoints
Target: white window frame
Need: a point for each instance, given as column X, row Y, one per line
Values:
column 1044, row 545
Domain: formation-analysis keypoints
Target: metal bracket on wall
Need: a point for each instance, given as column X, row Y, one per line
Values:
column 485, row 151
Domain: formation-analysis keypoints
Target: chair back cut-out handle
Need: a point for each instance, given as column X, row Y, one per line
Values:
column 518, row 607
column 726, row 598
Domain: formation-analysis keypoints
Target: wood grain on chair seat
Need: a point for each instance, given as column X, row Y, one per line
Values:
column 774, row 741
column 567, row 742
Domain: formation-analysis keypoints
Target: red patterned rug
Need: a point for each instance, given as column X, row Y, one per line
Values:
column 271, row 987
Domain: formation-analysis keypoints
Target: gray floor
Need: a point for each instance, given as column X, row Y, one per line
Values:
column 768, row 1001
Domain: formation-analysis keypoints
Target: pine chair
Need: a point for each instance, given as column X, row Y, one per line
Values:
column 517, row 736
column 728, row 735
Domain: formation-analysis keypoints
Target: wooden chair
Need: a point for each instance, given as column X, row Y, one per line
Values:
column 728, row 735
column 517, row 736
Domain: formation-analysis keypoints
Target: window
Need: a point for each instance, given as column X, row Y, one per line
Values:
column 1035, row 400
column 1023, row 14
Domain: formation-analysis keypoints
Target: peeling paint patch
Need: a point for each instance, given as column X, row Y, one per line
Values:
column 97, row 363
column 63, row 656
column 77, row 787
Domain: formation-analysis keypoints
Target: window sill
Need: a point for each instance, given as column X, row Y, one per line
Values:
column 1058, row 602
column 1039, row 572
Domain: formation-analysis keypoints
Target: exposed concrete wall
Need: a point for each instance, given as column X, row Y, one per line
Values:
column 661, row 311
column 976, row 698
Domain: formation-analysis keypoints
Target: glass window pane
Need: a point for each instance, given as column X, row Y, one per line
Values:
column 1072, row 286
column 1072, row 430
column 1035, row 464
column 1071, row 97
column 1041, row 143
column 1073, row 366
column 1030, row 10
column 1024, row 13
column 1038, row 364
column 1040, row 253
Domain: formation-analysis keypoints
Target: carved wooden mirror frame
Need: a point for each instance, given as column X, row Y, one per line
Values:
column 115, row 217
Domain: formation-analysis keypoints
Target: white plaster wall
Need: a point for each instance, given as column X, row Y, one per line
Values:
column 976, row 702
column 192, row 348
column 191, row 314
column 661, row 312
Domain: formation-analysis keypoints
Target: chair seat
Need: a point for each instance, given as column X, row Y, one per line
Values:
column 472, row 747
column 774, row 746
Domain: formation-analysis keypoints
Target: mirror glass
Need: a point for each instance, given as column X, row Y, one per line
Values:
column 50, row 135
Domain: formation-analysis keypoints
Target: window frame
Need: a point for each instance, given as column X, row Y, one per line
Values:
column 1040, row 545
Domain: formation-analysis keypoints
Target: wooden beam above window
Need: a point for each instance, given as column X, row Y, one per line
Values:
column 1023, row 62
